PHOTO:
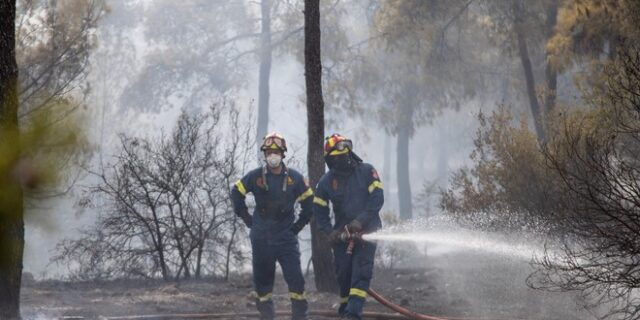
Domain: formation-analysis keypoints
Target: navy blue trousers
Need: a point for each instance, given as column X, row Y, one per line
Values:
column 283, row 248
column 354, row 274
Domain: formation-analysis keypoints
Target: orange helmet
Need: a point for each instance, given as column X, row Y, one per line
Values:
column 337, row 144
column 274, row 141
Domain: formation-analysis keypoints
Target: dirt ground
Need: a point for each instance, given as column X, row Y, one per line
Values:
column 459, row 284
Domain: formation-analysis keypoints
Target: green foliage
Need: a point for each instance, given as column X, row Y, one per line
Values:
column 35, row 160
column 38, row 157
column 513, row 174
column 499, row 21
column 56, row 148
column 54, row 40
column 509, row 174
column 587, row 29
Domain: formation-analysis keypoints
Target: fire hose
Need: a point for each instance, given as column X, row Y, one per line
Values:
column 403, row 314
column 235, row 315
column 403, row 311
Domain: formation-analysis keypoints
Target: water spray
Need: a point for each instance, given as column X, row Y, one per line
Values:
column 351, row 238
column 520, row 246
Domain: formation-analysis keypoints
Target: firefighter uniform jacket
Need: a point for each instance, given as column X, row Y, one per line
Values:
column 275, row 196
column 357, row 196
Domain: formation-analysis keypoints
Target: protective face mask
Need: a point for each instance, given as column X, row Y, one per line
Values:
column 342, row 162
column 274, row 160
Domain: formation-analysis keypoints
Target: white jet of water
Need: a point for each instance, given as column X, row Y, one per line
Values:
column 446, row 233
column 462, row 239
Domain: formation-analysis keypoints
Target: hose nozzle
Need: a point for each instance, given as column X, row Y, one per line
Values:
column 348, row 235
column 350, row 238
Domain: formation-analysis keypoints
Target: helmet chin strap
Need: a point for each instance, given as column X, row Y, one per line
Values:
column 355, row 157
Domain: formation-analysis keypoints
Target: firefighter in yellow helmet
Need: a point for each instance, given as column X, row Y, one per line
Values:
column 355, row 191
column 274, row 228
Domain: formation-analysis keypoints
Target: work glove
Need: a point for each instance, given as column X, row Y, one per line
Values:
column 247, row 219
column 334, row 237
column 355, row 226
column 297, row 227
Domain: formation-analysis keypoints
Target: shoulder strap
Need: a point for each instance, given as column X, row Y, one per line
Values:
column 284, row 180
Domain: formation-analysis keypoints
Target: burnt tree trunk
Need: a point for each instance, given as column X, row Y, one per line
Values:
column 11, row 198
column 442, row 162
column 402, row 163
column 386, row 167
column 227, row 261
column 265, row 73
column 550, row 73
column 320, row 251
column 523, row 51
column 159, row 244
column 199, row 252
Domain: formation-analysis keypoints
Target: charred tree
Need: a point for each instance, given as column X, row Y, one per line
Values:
column 11, row 196
column 320, row 250
column 386, row 167
column 265, row 72
column 166, row 207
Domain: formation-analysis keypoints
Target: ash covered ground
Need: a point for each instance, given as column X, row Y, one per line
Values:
column 460, row 284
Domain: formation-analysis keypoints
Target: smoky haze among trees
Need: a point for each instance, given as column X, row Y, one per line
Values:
column 126, row 123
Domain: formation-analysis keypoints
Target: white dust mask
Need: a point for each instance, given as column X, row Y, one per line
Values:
column 274, row 160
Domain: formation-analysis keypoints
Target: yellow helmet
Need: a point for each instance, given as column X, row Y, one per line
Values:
column 337, row 144
column 274, row 141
